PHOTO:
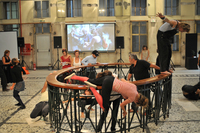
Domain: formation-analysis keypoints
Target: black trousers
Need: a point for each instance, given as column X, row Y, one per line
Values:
column 191, row 92
column 113, row 117
column 3, row 79
column 164, row 51
column 41, row 109
column 17, row 97
column 84, row 102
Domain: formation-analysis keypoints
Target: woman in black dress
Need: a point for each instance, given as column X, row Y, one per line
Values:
column 6, row 65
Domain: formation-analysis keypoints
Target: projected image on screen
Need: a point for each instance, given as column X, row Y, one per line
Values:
column 89, row 37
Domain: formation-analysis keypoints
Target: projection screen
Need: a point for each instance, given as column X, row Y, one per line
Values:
column 92, row 36
column 8, row 41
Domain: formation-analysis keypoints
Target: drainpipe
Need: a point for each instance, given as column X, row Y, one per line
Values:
column 20, row 18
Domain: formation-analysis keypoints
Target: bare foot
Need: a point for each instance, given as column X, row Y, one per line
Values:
column 82, row 115
column 166, row 73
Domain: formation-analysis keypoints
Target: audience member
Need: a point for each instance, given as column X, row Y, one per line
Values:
column 65, row 59
column 91, row 60
column 3, row 77
column 6, row 65
column 18, row 83
column 76, row 60
column 145, row 53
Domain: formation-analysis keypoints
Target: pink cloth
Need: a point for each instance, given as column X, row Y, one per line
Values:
column 127, row 90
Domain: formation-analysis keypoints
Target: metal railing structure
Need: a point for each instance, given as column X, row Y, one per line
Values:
column 66, row 116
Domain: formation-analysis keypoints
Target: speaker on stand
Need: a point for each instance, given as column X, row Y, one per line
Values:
column 120, row 45
column 20, row 43
column 57, row 44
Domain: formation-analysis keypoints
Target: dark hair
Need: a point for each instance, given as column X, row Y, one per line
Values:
column 105, row 73
column 14, row 61
column 144, row 47
column 5, row 52
column 76, row 51
column 64, row 50
column 143, row 101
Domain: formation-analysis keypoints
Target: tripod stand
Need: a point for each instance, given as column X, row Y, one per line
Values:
column 120, row 71
column 58, row 61
column 23, row 62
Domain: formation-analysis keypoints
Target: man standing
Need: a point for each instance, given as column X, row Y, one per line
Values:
column 3, row 78
column 140, row 69
column 91, row 60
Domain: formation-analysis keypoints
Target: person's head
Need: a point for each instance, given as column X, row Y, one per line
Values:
column 64, row 51
column 133, row 58
column 95, row 53
column 85, row 32
column 184, row 27
column 6, row 53
column 144, row 47
column 88, row 92
column 76, row 53
column 15, row 61
column 105, row 73
column 142, row 101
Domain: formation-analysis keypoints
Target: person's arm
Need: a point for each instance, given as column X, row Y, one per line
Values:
column 141, row 55
column 129, row 76
column 4, row 61
column 89, row 44
column 124, row 103
column 13, row 79
column 173, row 23
column 44, row 87
column 155, row 66
column 70, row 58
column 147, row 56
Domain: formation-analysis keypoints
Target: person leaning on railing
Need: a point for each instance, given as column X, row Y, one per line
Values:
column 126, row 89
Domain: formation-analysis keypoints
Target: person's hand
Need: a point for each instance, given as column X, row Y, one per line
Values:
column 43, row 90
column 124, row 114
column 160, row 15
column 89, row 64
column 98, row 63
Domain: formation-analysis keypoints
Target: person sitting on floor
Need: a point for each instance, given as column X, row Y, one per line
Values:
column 191, row 92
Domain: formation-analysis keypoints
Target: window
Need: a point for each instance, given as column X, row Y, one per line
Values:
column 171, row 7
column 197, row 26
column 106, row 8
column 139, row 8
column 139, row 35
column 12, row 27
column 198, row 7
column 175, row 43
column 10, row 10
column 41, row 9
column 74, row 8
column 42, row 28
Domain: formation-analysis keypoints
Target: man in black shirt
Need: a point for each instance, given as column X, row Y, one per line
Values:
column 140, row 69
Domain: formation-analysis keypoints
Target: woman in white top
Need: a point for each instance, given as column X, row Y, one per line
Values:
column 76, row 60
column 145, row 53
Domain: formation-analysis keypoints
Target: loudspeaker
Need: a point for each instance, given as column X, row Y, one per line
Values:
column 20, row 41
column 119, row 42
column 57, row 42
column 190, row 48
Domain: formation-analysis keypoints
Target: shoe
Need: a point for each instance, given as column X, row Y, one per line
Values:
column 6, row 89
column 18, row 104
column 22, row 107
column 68, row 77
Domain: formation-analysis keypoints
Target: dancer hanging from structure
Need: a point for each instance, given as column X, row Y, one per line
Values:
column 108, row 82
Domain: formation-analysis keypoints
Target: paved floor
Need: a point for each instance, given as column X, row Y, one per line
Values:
column 181, row 119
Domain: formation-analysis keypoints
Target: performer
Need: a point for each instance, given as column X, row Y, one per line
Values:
column 65, row 59
column 18, row 83
column 165, row 32
column 191, row 92
column 6, row 65
column 109, row 83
